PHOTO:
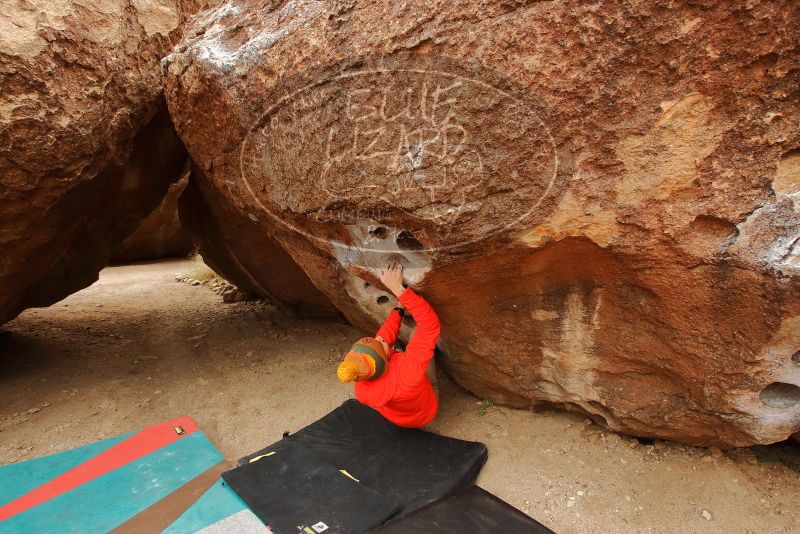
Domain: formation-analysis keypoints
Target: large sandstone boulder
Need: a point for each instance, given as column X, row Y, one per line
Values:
column 601, row 200
column 159, row 235
column 86, row 146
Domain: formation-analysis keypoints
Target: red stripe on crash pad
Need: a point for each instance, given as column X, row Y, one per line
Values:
column 138, row 445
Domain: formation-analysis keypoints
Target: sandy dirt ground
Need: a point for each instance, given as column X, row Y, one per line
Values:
column 138, row 348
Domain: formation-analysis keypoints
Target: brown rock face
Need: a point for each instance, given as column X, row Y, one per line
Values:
column 601, row 201
column 86, row 146
column 159, row 235
column 188, row 8
column 240, row 250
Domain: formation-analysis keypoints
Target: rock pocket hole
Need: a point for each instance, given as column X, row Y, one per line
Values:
column 409, row 321
column 780, row 395
column 713, row 226
column 380, row 232
column 406, row 241
column 796, row 357
column 383, row 299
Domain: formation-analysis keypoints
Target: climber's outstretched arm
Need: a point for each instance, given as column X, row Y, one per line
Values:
column 423, row 341
column 390, row 327
column 392, row 279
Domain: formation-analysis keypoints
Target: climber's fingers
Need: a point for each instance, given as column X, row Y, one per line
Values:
column 395, row 264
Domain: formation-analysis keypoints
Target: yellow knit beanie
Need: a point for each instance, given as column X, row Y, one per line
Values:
column 367, row 360
column 347, row 371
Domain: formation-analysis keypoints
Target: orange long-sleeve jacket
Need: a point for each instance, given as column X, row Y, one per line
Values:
column 403, row 394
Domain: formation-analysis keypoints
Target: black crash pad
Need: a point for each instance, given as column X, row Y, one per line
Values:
column 408, row 468
column 471, row 509
column 291, row 490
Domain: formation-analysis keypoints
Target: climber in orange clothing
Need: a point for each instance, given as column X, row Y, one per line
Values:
column 395, row 383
